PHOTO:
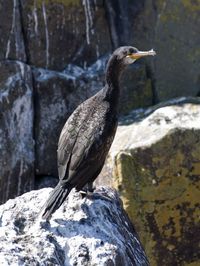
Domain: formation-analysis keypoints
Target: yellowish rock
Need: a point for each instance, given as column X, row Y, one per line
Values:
column 157, row 172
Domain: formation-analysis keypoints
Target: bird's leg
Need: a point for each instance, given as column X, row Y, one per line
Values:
column 90, row 187
column 87, row 190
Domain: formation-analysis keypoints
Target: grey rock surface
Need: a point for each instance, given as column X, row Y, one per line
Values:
column 62, row 32
column 16, row 130
column 11, row 32
column 89, row 231
column 171, row 28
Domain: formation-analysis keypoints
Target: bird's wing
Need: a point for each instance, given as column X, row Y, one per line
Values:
column 68, row 139
column 91, row 147
column 81, row 142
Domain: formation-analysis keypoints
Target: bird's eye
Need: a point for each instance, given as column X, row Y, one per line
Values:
column 131, row 51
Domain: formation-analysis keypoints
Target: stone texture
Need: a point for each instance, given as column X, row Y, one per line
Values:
column 156, row 167
column 11, row 35
column 62, row 32
column 136, row 88
column 82, row 232
column 171, row 28
column 16, row 130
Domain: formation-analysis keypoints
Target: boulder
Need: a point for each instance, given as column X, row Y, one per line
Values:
column 62, row 32
column 89, row 231
column 16, row 130
column 156, row 168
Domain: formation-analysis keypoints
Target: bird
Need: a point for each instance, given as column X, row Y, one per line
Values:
column 88, row 133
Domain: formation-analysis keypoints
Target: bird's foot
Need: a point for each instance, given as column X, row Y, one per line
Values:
column 94, row 196
column 85, row 193
column 99, row 196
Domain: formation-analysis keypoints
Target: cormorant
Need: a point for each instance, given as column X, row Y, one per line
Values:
column 89, row 132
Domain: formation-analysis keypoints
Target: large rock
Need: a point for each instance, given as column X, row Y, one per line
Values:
column 62, row 32
column 16, row 130
column 156, row 167
column 82, row 232
column 171, row 27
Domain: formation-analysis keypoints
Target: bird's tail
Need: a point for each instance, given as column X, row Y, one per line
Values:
column 56, row 198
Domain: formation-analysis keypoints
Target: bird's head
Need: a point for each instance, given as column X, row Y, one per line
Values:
column 127, row 54
column 122, row 57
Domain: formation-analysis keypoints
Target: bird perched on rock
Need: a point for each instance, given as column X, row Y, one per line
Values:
column 89, row 132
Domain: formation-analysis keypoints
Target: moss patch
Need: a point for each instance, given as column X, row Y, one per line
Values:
column 159, row 187
column 39, row 3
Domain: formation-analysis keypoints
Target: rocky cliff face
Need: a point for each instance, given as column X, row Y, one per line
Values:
column 171, row 27
column 62, row 47
column 16, row 129
column 82, row 232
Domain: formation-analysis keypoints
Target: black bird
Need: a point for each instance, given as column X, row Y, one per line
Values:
column 89, row 132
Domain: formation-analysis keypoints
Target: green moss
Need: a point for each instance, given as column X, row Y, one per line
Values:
column 193, row 54
column 63, row 2
column 161, row 194
column 191, row 5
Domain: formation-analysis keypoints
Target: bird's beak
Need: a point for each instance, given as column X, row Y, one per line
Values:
column 140, row 54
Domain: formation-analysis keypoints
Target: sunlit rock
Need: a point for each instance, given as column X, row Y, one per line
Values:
column 93, row 231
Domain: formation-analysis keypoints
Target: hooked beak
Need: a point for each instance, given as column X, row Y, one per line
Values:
column 140, row 54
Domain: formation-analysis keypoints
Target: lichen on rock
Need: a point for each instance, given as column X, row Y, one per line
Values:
column 156, row 170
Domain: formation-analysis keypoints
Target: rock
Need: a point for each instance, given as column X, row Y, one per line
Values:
column 171, row 28
column 51, row 34
column 16, row 130
column 119, row 16
column 82, row 232
column 11, row 33
column 45, row 181
column 62, row 32
column 156, row 167
column 136, row 89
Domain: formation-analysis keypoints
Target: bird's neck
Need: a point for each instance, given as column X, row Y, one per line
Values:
column 113, row 73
